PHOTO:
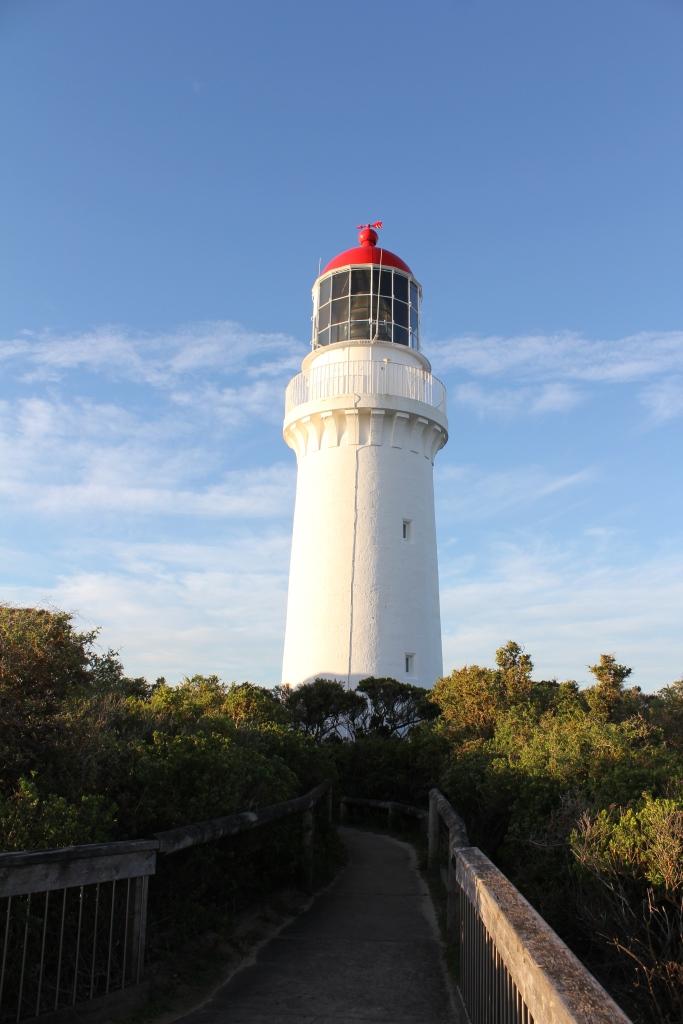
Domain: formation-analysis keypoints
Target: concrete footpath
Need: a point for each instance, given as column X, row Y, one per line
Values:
column 368, row 950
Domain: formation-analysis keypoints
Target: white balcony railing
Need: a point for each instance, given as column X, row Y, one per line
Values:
column 365, row 377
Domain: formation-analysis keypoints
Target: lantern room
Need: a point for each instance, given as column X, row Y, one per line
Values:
column 364, row 295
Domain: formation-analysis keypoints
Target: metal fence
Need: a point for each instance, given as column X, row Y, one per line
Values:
column 73, row 922
column 365, row 377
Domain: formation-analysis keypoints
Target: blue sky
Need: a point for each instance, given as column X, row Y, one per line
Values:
column 170, row 175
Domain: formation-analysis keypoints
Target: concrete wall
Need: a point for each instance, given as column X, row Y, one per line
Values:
column 361, row 597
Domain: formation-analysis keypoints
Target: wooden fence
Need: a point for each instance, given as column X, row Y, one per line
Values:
column 73, row 922
column 512, row 967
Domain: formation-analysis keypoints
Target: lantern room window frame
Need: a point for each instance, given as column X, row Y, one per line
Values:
column 389, row 310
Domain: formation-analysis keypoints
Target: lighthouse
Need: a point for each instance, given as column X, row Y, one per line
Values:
column 365, row 418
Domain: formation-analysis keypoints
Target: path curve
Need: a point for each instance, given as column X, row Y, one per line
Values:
column 366, row 952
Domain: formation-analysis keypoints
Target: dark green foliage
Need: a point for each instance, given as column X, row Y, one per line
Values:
column 391, row 768
column 324, row 709
column 550, row 780
column 327, row 710
column 89, row 755
column 576, row 794
column 393, row 708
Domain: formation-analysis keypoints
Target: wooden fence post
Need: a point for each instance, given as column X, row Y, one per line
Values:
column 307, row 830
column 432, row 831
column 330, row 805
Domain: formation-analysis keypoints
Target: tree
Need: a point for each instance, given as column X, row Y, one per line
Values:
column 630, row 894
column 395, row 708
column 606, row 698
column 470, row 699
column 323, row 709
column 251, row 706
column 516, row 668
column 666, row 711
column 43, row 661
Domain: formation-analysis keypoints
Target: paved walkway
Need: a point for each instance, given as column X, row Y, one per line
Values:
column 367, row 952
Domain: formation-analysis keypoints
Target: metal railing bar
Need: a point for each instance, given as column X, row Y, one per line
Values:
column 61, row 947
column 8, row 915
column 23, row 957
column 42, row 952
column 78, row 943
column 111, row 934
column 94, row 940
column 126, row 925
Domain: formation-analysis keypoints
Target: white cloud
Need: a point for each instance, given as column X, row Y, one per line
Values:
column 664, row 400
column 70, row 459
column 566, row 606
column 466, row 493
column 564, row 355
column 159, row 359
column 178, row 609
column 541, row 372
column 541, row 398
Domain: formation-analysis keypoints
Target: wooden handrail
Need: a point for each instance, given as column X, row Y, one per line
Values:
column 175, row 839
column 392, row 806
column 508, row 955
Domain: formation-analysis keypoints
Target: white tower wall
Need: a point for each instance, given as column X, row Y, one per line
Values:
column 365, row 421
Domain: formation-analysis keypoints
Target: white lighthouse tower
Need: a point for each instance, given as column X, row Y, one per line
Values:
column 366, row 418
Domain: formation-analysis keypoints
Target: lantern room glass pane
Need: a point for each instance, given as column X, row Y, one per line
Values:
column 360, row 330
column 360, row 282
column 339, row 332
column 400, row 313
column 368, row 303
column 381, row 331
column 340, row 310
column 381, row 308
column 360, row 307
column 324, row 317
column 381, row 282
column 400, row 287
column 340, row 284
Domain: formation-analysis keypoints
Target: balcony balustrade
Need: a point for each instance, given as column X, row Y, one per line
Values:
column 365, row 378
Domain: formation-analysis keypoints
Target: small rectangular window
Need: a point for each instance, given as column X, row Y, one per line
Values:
column 325, row 288
column 410, row 664
column 406, row 529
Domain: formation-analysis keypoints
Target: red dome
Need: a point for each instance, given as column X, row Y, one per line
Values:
column 367, row 252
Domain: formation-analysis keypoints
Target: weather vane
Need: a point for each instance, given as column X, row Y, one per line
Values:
column 377, row 224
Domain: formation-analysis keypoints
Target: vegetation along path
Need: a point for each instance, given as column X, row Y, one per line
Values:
column 367, row 950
